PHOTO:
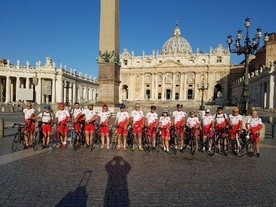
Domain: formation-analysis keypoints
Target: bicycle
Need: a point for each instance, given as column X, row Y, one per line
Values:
column 223, row 141
column 210, row 144
column 114, row 138
column 159, row 146
column 251, row 145
column 96, row 139
column 55, row 139
column 38, row 137
column 79, row 139
column 191, row 139
column 146, row 140
column 19, row 136
column 130, row 137
column 175, row 137
column 239, row 147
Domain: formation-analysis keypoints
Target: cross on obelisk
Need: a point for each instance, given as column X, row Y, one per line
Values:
column 108, row 59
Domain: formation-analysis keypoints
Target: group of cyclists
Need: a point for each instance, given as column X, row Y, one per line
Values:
column 207, row 125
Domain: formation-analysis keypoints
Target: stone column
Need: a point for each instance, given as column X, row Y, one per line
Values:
column 17, row 87
column 271, row 91
column 8, row 90
column 156, row 86
column 12, row 85
column 74, row 93
column 185, row 87
column 163, row 87
column 143, row 87
column 181, row 85
column 38, row 91
column 1, row 90
column 173, row 87
column 54, row 90
column 64, row 91
column 152, row 95
column 109, row 69
column 27, row 83
column 70, row 93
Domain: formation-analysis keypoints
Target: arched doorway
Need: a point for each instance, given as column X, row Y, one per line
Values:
column 217, row 91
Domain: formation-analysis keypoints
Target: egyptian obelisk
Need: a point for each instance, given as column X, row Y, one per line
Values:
column 108, row 59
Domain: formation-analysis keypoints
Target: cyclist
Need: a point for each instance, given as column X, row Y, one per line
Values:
column 207, row 124
column 62, row 118
column 235, row 124
column 151, row 123
column 104, row 123
column 193, row 123
column 122, row 119
column 137, row 121
column 178, row 121
column 89, row 127
column 29, row 119
column 77, row 116
column 47, row 119
column 254, row 125
column 221, row 121
column 165, row 124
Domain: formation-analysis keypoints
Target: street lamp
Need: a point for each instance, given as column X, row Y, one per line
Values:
column 249, row 47
column 202, row 88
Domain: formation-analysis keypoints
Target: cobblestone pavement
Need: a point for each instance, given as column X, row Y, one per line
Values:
column 62, row 177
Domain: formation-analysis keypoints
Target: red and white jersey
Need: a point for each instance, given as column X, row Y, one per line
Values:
column 220, row 118
column 192, row 122
column 179, row 117
column 89, row 114
column 235, row 120
column 254, row 123
column 46, row 117
column 76, row 112
column 62, row 115
column 152, row 118
column 137, row 116
column 28, row 113
column 207, row 120
column 122, row 117
column 165, row 121
column 104, row 116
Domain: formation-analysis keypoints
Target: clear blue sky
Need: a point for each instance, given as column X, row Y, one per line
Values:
column 68, row 30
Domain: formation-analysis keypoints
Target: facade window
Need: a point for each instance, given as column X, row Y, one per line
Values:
column 159, row 85
column 125, row 62
column 219, row 59
column 176, row 96
column 147, row 85
column 203, row 61
column 178, row 61
column 176, row 85
column 192, row 61
column 138, row 62
column 160, row 61
column 190, row 94
column 265, row 87
column 159, row 96
column 168, row 94
column 147, row 94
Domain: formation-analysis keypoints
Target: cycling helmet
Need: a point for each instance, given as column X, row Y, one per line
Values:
column 165, row 111
column 47, row 107
column 220, row 108
column 122, row 106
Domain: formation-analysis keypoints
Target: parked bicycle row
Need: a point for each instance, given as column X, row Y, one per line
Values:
column 149, row 132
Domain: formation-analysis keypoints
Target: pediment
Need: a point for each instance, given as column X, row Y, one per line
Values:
column 169, row 63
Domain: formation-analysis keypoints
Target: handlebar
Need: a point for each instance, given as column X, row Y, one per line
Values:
column 18, row 124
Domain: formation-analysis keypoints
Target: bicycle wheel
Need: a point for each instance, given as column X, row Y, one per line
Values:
column 243, row 148
column 76, row 143
column 37, row 142
column 15, row 142
column 225, row 145
column 251, row 148
column 193, row 145
column 211, row 146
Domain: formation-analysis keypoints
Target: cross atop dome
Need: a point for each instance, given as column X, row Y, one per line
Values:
column 177, row 31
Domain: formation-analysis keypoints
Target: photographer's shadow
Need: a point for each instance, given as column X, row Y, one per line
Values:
column 116, row 193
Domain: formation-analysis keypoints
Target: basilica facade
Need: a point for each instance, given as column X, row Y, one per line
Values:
column 44, row 83
column 176, row 73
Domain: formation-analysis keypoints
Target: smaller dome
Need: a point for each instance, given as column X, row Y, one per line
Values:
column 176, row 44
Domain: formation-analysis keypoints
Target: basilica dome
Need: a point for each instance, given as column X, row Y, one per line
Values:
column 176, row 44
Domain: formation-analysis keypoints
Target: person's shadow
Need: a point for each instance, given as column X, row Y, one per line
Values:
column 116, row 193
column 77, row 198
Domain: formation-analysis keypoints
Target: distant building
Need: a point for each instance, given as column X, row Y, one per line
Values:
column 262, row 76
column 44, row 83
column 175, row 73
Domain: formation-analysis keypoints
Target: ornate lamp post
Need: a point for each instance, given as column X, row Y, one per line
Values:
column 249, row 47
column 202, row 88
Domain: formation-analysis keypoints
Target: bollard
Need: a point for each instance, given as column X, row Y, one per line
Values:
column 274, row 128
column 1, row 127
